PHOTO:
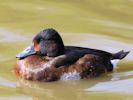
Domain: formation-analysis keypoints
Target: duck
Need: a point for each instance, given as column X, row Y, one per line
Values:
column 48, row 59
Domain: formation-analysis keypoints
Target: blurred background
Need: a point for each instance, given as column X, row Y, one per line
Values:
column 100, row 24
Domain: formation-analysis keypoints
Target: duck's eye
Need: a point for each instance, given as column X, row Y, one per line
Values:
column 41, row 40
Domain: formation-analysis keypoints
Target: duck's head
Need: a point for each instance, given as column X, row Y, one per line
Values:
column 47, row 42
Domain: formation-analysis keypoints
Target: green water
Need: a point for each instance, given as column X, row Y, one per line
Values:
column 101, row 24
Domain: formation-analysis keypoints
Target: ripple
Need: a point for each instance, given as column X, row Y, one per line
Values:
column 113, row 86
column 10, row 36
column 7, row 83
column 16, row 98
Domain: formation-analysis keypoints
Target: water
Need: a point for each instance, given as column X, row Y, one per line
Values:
column 105, row 25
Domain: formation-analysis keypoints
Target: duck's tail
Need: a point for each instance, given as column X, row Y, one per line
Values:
column 120, row 55
column 117, row 57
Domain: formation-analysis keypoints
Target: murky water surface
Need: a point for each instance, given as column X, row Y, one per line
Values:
column 105, row 25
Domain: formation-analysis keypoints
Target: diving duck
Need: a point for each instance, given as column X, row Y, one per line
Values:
column 49, row 60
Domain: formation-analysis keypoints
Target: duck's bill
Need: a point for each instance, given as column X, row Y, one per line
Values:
column 26, row 52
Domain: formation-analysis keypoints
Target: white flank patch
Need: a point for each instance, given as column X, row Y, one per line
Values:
column 115, row 62
column 71, row 76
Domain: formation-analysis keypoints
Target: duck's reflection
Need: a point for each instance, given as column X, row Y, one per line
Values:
column 59, row 90
column 64, row 90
